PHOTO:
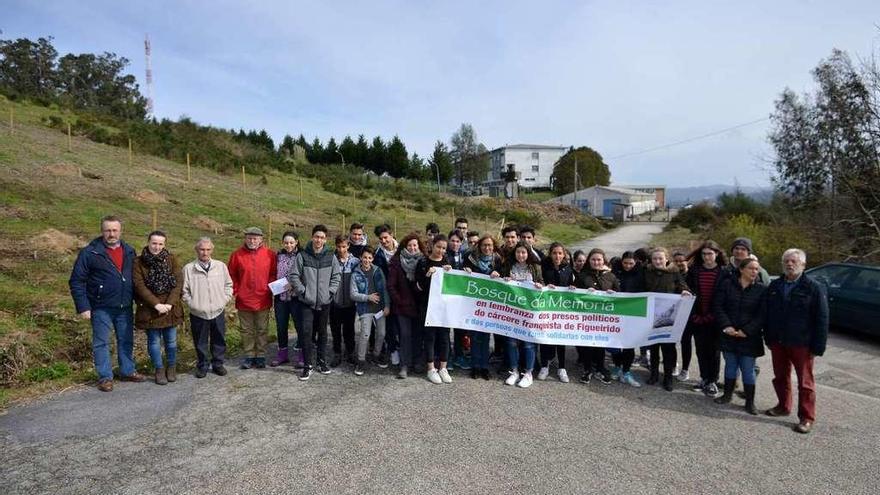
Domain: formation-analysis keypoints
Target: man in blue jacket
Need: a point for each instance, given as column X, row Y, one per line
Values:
column 796, row 330
column 102, row 293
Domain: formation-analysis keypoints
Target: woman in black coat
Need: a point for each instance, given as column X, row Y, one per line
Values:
column 739, row 308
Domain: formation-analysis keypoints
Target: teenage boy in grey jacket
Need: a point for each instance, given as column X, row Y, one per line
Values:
column 315, row 279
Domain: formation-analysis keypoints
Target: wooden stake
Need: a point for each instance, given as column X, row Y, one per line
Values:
column 453, row 218
column 11, row 120
column 129, row 152
column 243, row 180
column 155, row 219
column 188, row 170
column 270, row 228
column 68, row 138
column 502, row 224
column 395, row 225
column 343, row 223
column 301, row 198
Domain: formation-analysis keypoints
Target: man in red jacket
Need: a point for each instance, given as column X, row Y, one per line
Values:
column 252, row 267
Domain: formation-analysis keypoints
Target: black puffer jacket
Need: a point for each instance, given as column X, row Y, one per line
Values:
column 667, row 280
column 631, row 281
column 742, row 309
column 598, row 280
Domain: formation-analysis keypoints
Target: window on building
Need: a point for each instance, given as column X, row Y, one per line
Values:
column 536, row 168
column 534, row 155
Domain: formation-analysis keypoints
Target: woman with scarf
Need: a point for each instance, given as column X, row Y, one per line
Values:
column 557, row 273
column 157, row 278
column 484, row 259
column 523, row 265
column 287, row 305
column 402, row 288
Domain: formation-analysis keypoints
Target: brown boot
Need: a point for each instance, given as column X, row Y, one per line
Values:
column 105, row 385
column 171, row 374
column 160, row 377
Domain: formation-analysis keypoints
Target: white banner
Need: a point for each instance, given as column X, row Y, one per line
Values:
column 559, row 316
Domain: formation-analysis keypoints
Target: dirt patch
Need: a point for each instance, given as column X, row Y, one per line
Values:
column 61, row 170
column 148, row 196
column 8, row 211
column 282, row 220
column 204, row 223
column 56, row 242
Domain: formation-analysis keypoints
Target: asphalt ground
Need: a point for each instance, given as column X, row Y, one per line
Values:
column 263, row 431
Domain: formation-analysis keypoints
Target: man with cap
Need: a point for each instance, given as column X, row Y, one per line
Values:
column 252, row 267
column 740, row 250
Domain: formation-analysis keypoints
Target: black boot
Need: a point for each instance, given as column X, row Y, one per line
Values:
column 729, row 385
column 750, row 399
column 654, row 378
column 667, row 382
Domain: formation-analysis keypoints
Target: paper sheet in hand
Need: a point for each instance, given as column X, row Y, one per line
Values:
column 279, row 286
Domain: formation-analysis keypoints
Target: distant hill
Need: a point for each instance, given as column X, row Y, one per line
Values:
column 680, row 196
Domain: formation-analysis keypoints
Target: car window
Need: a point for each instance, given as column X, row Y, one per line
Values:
column 865, row 280
column 833, row 275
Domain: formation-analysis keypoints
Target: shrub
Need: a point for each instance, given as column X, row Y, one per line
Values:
column 699, row 217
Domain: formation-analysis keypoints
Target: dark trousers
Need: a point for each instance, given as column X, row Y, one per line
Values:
column 708, row 340
column 285, row 311
column 342, row 328
column 687, row 347
column 205, row 331
column 801, row 359
column 670, row 356
column 624, row 359
column 596, row 359
column 548, row 352
column 436, row 344
column 314, row 322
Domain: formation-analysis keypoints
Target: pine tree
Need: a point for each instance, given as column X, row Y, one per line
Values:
column 377, row 156
column 398, row 159
column 331, row 151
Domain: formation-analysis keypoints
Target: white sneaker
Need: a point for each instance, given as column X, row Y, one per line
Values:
column 434, row 377
column 543, row 373
column 511, row 380
column 444, row 375
column 525, row 381
column 395, row 358
column 563, row 375
column 683, row 375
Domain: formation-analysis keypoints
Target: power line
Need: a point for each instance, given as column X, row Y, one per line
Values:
column 690, row 140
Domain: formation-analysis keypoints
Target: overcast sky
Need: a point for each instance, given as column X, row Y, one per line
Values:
column 617, row 76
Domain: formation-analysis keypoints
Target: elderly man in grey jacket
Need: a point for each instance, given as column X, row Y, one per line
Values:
column 315, row 279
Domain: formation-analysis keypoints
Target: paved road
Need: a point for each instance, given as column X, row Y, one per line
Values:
column 629, row 236
column 262, row 431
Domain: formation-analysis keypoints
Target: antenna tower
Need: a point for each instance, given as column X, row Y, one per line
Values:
column 149, row 69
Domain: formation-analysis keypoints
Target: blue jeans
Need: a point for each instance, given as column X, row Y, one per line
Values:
column 480, row 350
column 120, row 320
column 284, row 311
column 528, row 349
column 155, row 336
column 745, row 364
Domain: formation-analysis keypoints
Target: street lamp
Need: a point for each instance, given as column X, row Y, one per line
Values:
column 437, row 166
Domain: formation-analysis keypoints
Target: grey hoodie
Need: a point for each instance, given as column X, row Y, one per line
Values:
column 315, row 277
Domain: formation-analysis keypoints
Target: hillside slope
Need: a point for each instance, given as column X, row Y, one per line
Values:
column 51, row 200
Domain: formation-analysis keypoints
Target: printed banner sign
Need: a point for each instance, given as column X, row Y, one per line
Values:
column 559, row 316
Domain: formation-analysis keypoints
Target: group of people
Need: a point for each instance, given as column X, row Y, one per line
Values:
column 374, row 300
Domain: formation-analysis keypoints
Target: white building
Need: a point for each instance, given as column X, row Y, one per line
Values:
column 610, row 202
column 533, row 164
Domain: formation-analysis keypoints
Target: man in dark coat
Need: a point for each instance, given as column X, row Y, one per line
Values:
column 102, row 289
column 796, row 332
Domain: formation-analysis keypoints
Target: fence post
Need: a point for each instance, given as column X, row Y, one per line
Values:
column 11, row 120
column 68, row 138
column 188, row 170
column 343, row 223
column 155, row 219
column 395, row 226
column 129, row 152
column 301, row 198
column 243, row 180
column 270, row 228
